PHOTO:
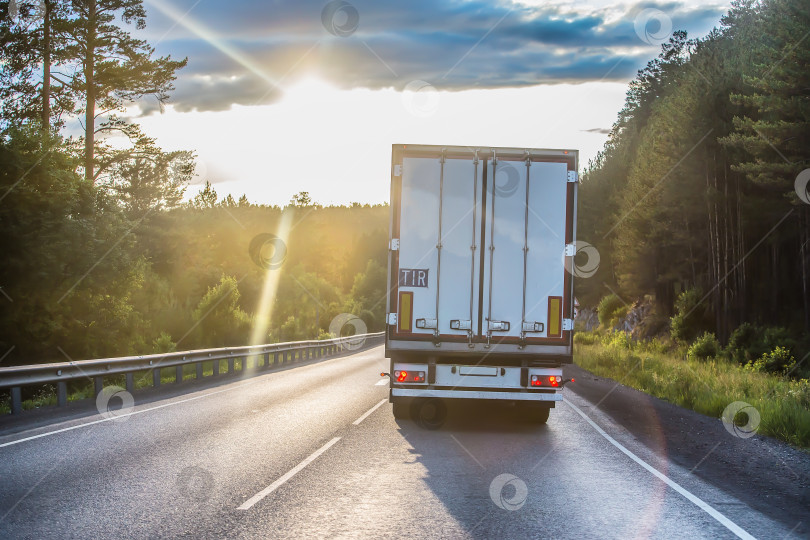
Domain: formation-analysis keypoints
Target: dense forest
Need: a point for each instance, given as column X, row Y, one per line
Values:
column 103, row 255
column 694, row 202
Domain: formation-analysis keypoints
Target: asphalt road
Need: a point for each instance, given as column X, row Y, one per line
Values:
column 303, row 452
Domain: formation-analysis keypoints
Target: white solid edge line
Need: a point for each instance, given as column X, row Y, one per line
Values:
column 727, row 523
column 381, row 382
column 368, row 412
column 292, row 472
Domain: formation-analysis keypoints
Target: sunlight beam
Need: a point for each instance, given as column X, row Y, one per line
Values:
column 209, row 36
column 264, row 311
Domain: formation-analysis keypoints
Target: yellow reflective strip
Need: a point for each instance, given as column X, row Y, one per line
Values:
column 405, row 307
column 554, row 316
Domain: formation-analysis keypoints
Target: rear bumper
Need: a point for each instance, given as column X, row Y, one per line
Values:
column 477, row 394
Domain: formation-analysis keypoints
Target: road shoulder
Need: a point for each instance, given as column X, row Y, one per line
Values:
column 768, row 475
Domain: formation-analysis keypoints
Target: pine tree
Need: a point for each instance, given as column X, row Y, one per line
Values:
column 116, row 69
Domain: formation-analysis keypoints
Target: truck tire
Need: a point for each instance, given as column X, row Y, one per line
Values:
column 402, row 410
column 535, row 413
column 429, row 413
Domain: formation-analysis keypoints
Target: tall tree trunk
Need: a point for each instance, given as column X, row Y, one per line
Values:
column 718, row 298
column 804, row 238
column 710, row 248
column 90, row 108
column 727, row 284
column 691, row 252
column 740, row 251
column 46, row 68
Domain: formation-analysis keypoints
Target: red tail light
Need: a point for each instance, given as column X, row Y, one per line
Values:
column 409, row 376
column 539, row 380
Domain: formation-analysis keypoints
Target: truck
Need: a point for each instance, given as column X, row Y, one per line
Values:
column 480, row 277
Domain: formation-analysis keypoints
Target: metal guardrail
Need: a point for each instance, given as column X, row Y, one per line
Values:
column 265, row 356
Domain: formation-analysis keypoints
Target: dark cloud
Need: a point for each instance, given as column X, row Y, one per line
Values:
column 601, row 131
column 451, row 44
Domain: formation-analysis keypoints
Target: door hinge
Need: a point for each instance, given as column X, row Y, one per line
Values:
column 394, row 246
column 570, row 249
column 573, row 176
column 392, row 319
column 398, row 170
column 568, row 324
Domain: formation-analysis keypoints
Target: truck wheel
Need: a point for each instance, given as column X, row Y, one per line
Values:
column 536, row 414
column 402, row 410
column 429, row 413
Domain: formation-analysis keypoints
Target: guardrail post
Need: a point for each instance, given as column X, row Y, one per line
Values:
column 267, row 360
column 178, row 374
column 98, row 385
column 16, row 400
column 199, row 370
column 215, row 367
column 230, row 365
column 61, row 393
column 156, row 377
column 130, row 382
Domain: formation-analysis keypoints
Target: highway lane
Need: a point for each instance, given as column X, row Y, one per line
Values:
column 328, row 465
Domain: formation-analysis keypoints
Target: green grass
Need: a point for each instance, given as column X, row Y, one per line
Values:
column 77, row 391
column 707, row 387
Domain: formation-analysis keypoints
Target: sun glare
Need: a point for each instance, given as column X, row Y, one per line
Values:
column 308, row 90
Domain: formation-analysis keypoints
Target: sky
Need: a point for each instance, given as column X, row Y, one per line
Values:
column 286, row 96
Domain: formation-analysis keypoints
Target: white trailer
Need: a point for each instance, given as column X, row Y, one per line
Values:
column 480, row 303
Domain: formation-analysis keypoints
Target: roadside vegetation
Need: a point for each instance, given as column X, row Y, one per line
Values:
column 696, row 188
column 702, row 225
column 104, row 252
column 763, row 366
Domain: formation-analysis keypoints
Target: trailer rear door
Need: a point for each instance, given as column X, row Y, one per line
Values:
column 525, row 280
column 480, row 245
